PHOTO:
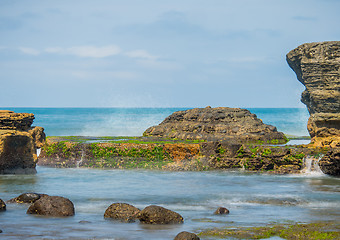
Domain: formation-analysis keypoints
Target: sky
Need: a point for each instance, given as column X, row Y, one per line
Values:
column 157, row 53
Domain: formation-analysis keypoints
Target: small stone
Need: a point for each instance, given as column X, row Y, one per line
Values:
column 26, row 198
column 186, row 236
column 221, row 210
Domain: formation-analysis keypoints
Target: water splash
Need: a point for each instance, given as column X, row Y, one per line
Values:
column 311, row 165
column 81, row 159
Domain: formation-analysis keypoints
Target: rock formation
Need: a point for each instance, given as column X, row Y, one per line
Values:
column 220, row 123
column 18, row 142
column 26, row 198
column 2, row 205
column 317, row 67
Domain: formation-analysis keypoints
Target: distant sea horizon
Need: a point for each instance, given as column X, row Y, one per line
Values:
column 133, row 121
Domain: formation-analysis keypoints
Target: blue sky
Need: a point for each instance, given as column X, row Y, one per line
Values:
column 157, row 53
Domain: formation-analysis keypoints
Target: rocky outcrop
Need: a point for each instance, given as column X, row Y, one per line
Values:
column 18, row 142
column 214, row 124
column 186, row 236
column 122, row 211
column 159, row 215
column 330, row 163
column 317, row 67
column 53, row 206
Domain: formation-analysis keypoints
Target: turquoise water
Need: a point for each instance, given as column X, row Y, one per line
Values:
column 134, row 121
column 253, row 200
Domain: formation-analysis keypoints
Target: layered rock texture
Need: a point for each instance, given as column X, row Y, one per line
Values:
column 317, row 67
column 18, row 142
column 220, row 124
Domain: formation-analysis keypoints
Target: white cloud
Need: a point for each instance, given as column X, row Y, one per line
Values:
column 87, row 51
column 30, row 51
column 141, row 54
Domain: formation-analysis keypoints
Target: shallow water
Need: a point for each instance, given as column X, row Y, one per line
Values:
column 253, row 200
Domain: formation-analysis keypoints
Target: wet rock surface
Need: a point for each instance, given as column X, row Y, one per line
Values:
column 317, row 67
column 186, row 236
column 216, row 124
column 53, row 206
column 122, row 211
column 2, row 205
column 18, row 142
column 26, row 198
column 221, row 211
column 330, row 163
column 158, row 215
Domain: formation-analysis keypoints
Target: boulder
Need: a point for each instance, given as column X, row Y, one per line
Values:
column 317, row 67
column 330, row 163
column 2, row 205
column 186, row 236
column 19, row 142
column 221, row 210
column 53, row 206
column 216, row 124
column 26, row 198
column 122, row 211
column 159, row 215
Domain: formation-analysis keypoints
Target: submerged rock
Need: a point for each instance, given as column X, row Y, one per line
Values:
column 221, row 210
column 220, row 123
column 317, row 67
column 186, row 236
column 2, row 205
column 26, row 198
column 53, row 206
column 19, row 142
column 159, row 215
column 122, row 211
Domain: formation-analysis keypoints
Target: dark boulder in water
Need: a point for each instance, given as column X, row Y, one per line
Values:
column 2, row 205
column 159, row 215
column 186, row 236
column 122, row 211
column 53, row 206
column 221, row 210
column 26, row 198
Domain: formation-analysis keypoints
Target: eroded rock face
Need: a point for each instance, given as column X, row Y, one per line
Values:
column 317, row 67
column 220, row 123
column 122, row 211
column 18, row 142
column 330, row 163
column 53, row 206
column 159, row 215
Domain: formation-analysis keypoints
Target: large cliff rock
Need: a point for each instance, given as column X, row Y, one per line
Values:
column 220, row 123
column 317, row 67
column 18, row 142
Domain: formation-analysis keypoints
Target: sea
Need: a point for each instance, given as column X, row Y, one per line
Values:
column 253, row 199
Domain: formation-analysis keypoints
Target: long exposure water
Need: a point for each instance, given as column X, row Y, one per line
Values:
column 253, row 199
